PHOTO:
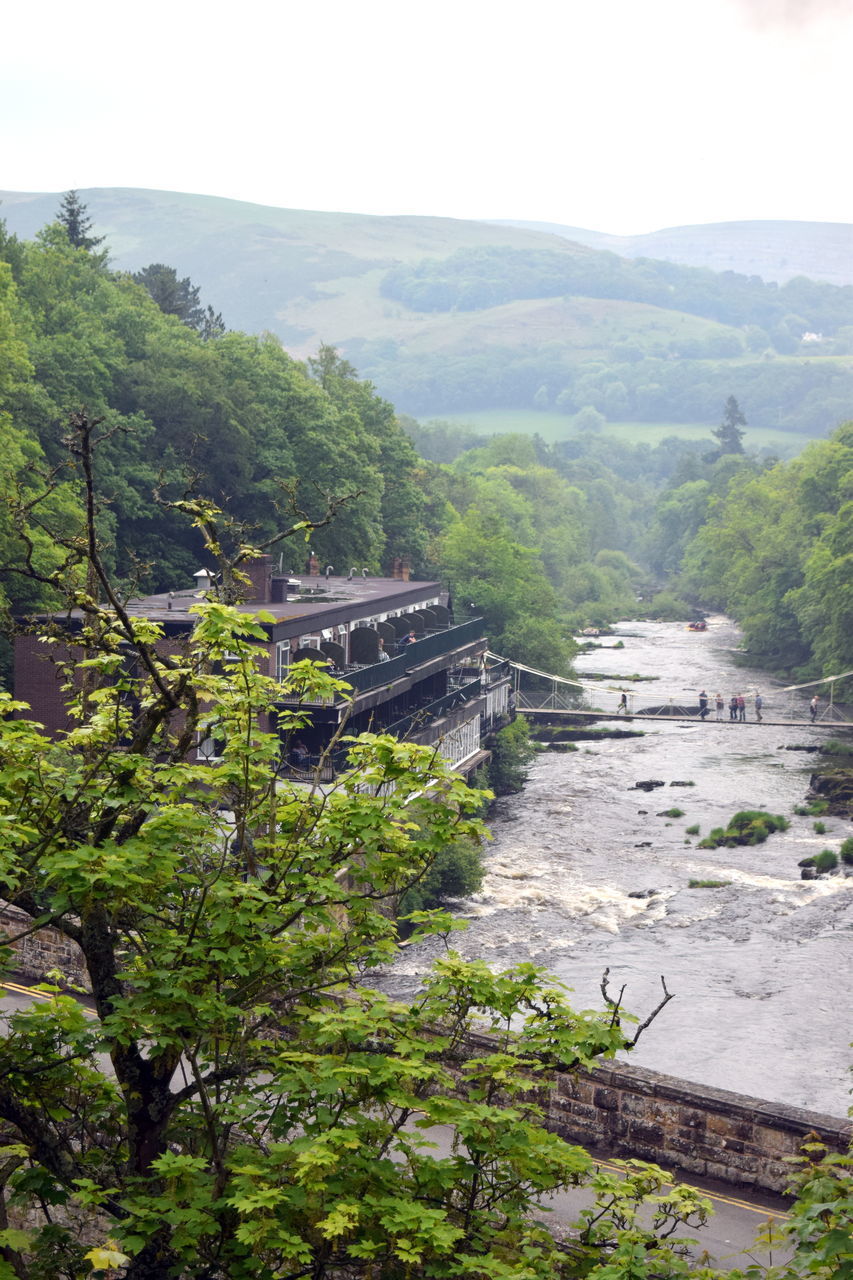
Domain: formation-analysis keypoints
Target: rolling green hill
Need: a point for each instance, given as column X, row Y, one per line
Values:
column 447, row 315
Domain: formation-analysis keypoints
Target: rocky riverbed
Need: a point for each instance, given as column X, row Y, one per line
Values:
column 586, row 871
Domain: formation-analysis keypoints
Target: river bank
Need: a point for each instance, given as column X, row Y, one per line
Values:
column 586, row 872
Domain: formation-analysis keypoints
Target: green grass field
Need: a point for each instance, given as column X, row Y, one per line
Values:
column 557, row 426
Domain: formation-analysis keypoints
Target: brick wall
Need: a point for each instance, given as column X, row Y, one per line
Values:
column 38, row 681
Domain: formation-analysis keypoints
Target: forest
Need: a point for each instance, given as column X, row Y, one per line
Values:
column 541, row 540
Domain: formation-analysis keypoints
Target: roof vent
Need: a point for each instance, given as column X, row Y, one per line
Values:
column 203, row 579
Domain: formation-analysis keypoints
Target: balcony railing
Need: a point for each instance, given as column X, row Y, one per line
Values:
column 425, row 716
column 327, row 767
column 363, row 679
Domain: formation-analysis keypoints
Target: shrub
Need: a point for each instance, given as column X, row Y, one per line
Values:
column 707, row 884
column 668, row 607
column 846, row 852
column 692, row 831
column 512, row 752
column 749, row 826
column 455, row 873
column 814, row 809
column 826, row 860
column 672, row 813
column 833, row 747
column 819, row 828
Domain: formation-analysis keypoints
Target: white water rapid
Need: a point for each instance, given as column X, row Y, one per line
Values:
column 759, row 967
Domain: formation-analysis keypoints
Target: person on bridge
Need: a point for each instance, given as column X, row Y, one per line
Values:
column 733, row 707
column 703, row 705
column 719, row 703
column 813, row 706
column 759, row 703
column 623, row 704
column 741, row 708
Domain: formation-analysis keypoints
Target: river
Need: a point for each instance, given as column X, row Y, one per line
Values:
column 759, row 967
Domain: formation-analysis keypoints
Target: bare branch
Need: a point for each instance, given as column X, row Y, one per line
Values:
column 667, row 996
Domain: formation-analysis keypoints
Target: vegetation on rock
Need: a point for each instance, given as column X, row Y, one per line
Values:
column 749, row 826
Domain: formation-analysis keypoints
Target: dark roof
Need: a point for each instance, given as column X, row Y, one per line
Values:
column 329, row 601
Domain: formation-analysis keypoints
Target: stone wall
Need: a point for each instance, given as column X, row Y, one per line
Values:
column 622, row 1110
column 37, row 954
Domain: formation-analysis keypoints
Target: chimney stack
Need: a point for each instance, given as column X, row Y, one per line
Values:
column 259, row 573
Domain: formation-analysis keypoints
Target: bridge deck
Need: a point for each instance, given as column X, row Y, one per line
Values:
column 685, row 719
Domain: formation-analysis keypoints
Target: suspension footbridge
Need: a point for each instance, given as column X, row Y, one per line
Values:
column 541, row 695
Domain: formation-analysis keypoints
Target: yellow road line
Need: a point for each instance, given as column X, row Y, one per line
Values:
column 34, row 994
column 712, row 1195
column 26, row 991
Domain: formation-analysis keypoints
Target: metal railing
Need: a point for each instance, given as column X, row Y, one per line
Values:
column 413, row 655
column 424, row 716
column 325, row 768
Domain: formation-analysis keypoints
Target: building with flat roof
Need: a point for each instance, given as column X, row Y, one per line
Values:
column 413, row 671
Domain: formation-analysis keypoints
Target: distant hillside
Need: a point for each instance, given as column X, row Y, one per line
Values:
column 773, row 250
column 447, row 316
column 262, row 267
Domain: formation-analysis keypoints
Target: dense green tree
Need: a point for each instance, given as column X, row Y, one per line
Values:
column 401, row 498
column 729, row 434
column 179, row 298
column 74, row 217
column 775, row 551
column 493, row 576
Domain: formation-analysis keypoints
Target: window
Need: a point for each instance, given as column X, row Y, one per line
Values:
column 210, row 745
column 282, row 659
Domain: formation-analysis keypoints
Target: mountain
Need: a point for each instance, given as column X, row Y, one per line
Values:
column 772, row 250
column 447, row 316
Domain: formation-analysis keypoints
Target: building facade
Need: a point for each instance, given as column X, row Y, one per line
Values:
column 413, row 672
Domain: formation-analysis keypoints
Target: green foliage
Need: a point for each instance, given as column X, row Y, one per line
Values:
column 708, row 884
column 814, row 809
column 73, row 216
column 826, row 860
column 819, row 828
column 749, row 826
column 673, row 813
column 233, row 415
column 729, row 434
column 774, row 552
column 512, row 752
column 694, row 830
column 667, row 606
column 846, row 852
column 820, row 1225
column 456, row 872
column 835, row 747
column 179, row 298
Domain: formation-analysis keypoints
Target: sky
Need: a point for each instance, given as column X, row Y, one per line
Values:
column 623, row 116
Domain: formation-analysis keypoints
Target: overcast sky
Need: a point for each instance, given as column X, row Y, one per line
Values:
column 617, row 115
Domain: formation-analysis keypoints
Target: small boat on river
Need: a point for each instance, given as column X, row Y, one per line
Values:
column 701, row 625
